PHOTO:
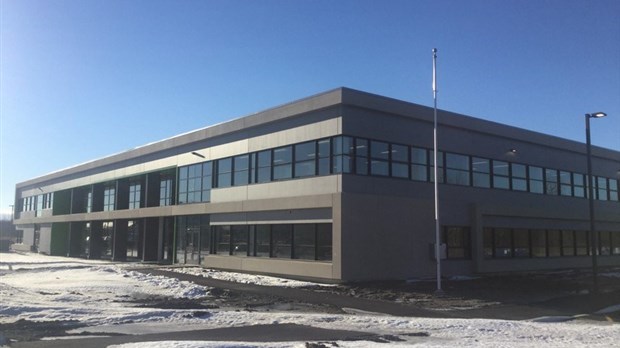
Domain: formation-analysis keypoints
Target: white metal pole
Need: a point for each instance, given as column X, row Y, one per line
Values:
column 435, row 166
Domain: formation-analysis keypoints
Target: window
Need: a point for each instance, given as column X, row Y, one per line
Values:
column 239, row 240
column 134, row 239
column 566, row 186
column 501, row 175
column 380, row 156
column 195, row 182
column 264, row 166
column 518, row 177
column 165, row 191
column 400, row 161
column 502, row 238
column 324, row 242
column 579, row 185
column 457, row 240
column 457, row 169
column 554, row 243
column 613, row 190
column 615, row 243
column 304, row 241
column 568, row 243
column 324, row 147
column 551, row 182
column 282, row 241
column 241, row 175
column 481, row 170
column 39, row 205
column 521, row 239
column 263, row 241
column 109, row 197
column 222, row 239
column 605, row 242
column 135, row 193
column 305, row 159
column 536, row 179
column 419, row 164
column 224, row 172
column 48, row 200
column 601, row 188
column 361, row 156
column 343, row 150
column 282, row 163
column 582, row 245
column 539, row 243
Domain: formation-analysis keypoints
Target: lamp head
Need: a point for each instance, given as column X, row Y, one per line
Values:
column 597, row 115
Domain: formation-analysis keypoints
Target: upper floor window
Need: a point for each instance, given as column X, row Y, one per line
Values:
column 165, row 191
column 305, row 159
column 109, row 198
column 135, row 195
column 283, row 163
column 457, row 169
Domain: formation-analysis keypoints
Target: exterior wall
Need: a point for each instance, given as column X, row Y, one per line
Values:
column 382, row 228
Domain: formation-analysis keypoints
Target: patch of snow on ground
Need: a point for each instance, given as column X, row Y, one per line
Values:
column 100, row 295
column 245, row 278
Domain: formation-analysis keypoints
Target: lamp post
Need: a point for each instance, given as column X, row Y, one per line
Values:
column 593, row 235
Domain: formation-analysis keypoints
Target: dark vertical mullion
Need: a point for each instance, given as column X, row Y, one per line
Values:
column 546, row 243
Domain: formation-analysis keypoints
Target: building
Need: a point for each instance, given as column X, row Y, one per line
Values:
column 334, row 186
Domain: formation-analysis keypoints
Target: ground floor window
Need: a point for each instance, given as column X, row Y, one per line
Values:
column 193, row 238
column 514, row 243
column 287, row 241
column 457, row 241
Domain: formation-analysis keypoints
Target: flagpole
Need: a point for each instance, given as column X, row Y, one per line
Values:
column 435, row 181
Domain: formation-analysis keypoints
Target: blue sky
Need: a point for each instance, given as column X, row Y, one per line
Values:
column 83, row 79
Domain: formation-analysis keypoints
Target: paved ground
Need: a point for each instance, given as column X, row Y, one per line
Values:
column 256, row 333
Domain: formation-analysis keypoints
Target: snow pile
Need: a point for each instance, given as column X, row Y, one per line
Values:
column 245, row 278
column 92, row 292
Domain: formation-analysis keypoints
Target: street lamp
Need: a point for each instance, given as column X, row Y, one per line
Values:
column 593, row 235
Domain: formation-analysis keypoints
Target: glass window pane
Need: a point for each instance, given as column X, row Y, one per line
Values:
column 518, row 170
column 500, row 168
column 263, row 240
column 419, row 172
column 539, row 243
column 304, row 241
column 378, row 167
column 379, row 150
column 239, row 240
column 536, row 173
column 361, row 147
column 521, row 242
column 482, row 180
column 303, row 169
column 282, row 172
column 553, row 243
column 224, row 165
column 480, row 165
column 282, row 155
column 503, row 242
column 419, row 156
column 222, row 239
column 400, row 170
column 282, row 237
column 455, row 161
column 324, row 242
column 264, row 158
column 400, row 153
column 242, row 162
column 324, row 148
column 568, row 243
column 305, row 151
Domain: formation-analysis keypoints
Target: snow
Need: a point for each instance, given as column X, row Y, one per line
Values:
column 103, row 295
